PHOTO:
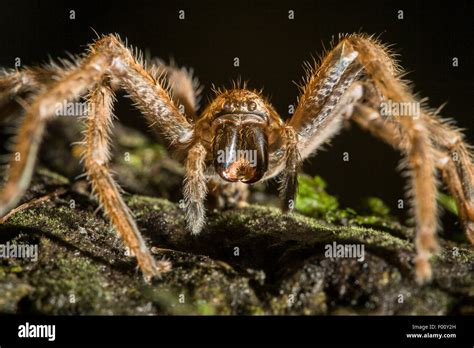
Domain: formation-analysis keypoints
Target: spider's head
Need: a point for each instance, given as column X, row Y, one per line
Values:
column 240, row 120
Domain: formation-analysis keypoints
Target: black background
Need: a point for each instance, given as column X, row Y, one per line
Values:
column 257, row 331
column 271, row 49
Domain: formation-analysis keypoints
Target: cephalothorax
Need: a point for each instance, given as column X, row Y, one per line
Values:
column 239, row 138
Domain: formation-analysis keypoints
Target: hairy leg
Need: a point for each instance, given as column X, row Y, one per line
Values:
column 447, row 162
column 31, row 130
column 319, row 99
column 452, row 178
column 14, row 83
column 366, row 113
column 327, row 129
column 318, row 116
column 185, row 88
column 289, row 176
column 96, row 159
column 381, row 70
column 458, row 168
column 195, row 188
column 16, row 86
column 314, row 120
column 107, row 57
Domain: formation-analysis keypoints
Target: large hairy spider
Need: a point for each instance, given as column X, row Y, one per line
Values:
column 239, row 138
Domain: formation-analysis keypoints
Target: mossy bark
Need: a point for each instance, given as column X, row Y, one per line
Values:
column 250, row 261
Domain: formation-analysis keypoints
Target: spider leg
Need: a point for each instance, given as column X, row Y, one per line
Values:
column 381, row 70
column 457, row 168
column 16, row 84
column 96, row 158
column 185, row 92
column 107, row 58
column 451, row 176
column 327, row 128
column 13, row 83
column 320, row 96
column 32, row 127
column 369, row 119
column 453, row 158
column 289, row 177
column 195, row 188
column 314, row 118
column 326, row 95
column 184, row 86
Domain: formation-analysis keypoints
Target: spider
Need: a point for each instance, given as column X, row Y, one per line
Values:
column 239, row 138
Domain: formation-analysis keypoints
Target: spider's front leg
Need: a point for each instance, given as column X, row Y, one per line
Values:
column 317, row 118
column 96, row 159
column 319, row 115
column 428, row 142
column 195, row 188
column 327, row 98
column 42, row 109
column 108, row 58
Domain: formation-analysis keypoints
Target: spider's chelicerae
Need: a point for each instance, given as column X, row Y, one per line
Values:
column 239, row 138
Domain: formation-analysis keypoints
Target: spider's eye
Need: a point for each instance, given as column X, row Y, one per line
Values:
column 251, row 105
column 228, row 106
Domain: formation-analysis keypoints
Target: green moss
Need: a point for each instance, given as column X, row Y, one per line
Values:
column 53, row 177
column 312, row 199
column 73, row 285
column 12, row 290
column 150, row 202
column 376, row 206
column 448, row 203
column 280, row 254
